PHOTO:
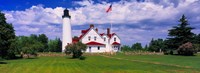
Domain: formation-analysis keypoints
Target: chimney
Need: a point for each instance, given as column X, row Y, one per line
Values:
column 96, row 29
column 91, row 26
column 108, row 31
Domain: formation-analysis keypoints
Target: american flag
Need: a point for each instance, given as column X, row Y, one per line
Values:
column 109, row 9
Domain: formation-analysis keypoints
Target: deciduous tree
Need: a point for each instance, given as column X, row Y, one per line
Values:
column 137, row 46
column 126, row 48
column 7, row 35
column 55, row 45
column 75, row 49
column 187, row 49
column 44, row 40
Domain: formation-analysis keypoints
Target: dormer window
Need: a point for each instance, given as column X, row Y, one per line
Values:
column 89, row 38
column 115, row 39
column 104, row 39
column 95, row 38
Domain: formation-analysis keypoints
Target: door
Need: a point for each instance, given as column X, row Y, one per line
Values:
column 90, row 50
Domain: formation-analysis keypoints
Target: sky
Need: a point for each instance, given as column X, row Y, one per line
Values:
column 132, row 20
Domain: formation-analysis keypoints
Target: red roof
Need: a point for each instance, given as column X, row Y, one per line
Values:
column 86, row 31
column 75, row 40
column 94, row 43
column 102, row 34
column 110, row 35
column 83, row 33
column 115, row 43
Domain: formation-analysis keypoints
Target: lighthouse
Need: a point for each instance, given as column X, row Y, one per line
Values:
column 66, row 33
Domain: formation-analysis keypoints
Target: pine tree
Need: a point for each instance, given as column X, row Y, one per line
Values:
column 180, row 34
column 146, row 47
column 59, row 46
column 7, row 35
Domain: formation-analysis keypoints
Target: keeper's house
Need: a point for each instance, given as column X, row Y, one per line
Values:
column 99, row 42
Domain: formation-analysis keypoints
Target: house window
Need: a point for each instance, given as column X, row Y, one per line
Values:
column 115, row 39
column 89, row 38
column 104, row 39
column 95, row 38
column 98, row 48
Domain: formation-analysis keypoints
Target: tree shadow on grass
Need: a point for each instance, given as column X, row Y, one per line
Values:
column 184, row 55
column 31, row 58
column 80, row 58
column 3, row 63
column 70, row 58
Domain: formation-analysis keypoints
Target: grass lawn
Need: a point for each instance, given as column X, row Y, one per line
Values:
column 184, row 61
column 101, row 64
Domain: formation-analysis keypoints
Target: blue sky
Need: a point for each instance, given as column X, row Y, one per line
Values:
column 133, row 20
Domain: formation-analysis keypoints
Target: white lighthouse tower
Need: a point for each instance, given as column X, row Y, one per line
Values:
column 67, row 35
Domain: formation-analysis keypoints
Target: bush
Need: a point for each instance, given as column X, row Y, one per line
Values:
column 75, row 49
column 186, row 49
column 82, row 58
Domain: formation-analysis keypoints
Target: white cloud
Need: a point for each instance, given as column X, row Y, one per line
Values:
column 46, row 20
column 28, row 29
column 129, row 12
column 36, row 15
column 126, row 12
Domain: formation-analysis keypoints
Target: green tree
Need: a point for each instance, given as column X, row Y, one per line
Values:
column 157, row 45
column 44, row 40
column 59, row 46
column 146, row 48
column 187, row 49
column 180, row 34
column 55, row 45
column 34, row 36
column 126, row 48
column 7, row 35
column 30, row 46
column 197, row 39
column 197, row 42
column 75, row 49
column 16, row 46
column 137, row 46
column 25, row 45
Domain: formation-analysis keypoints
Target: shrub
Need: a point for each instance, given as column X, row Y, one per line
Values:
column 75, row 49
column 186, row 49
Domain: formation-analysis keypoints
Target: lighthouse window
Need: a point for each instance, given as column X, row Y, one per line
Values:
column 89, row 38
column 95, row 38
column 115, row 39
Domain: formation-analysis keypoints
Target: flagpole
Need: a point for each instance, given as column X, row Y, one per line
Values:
column 107, row 11
column 111, row 31
column 111, row 23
